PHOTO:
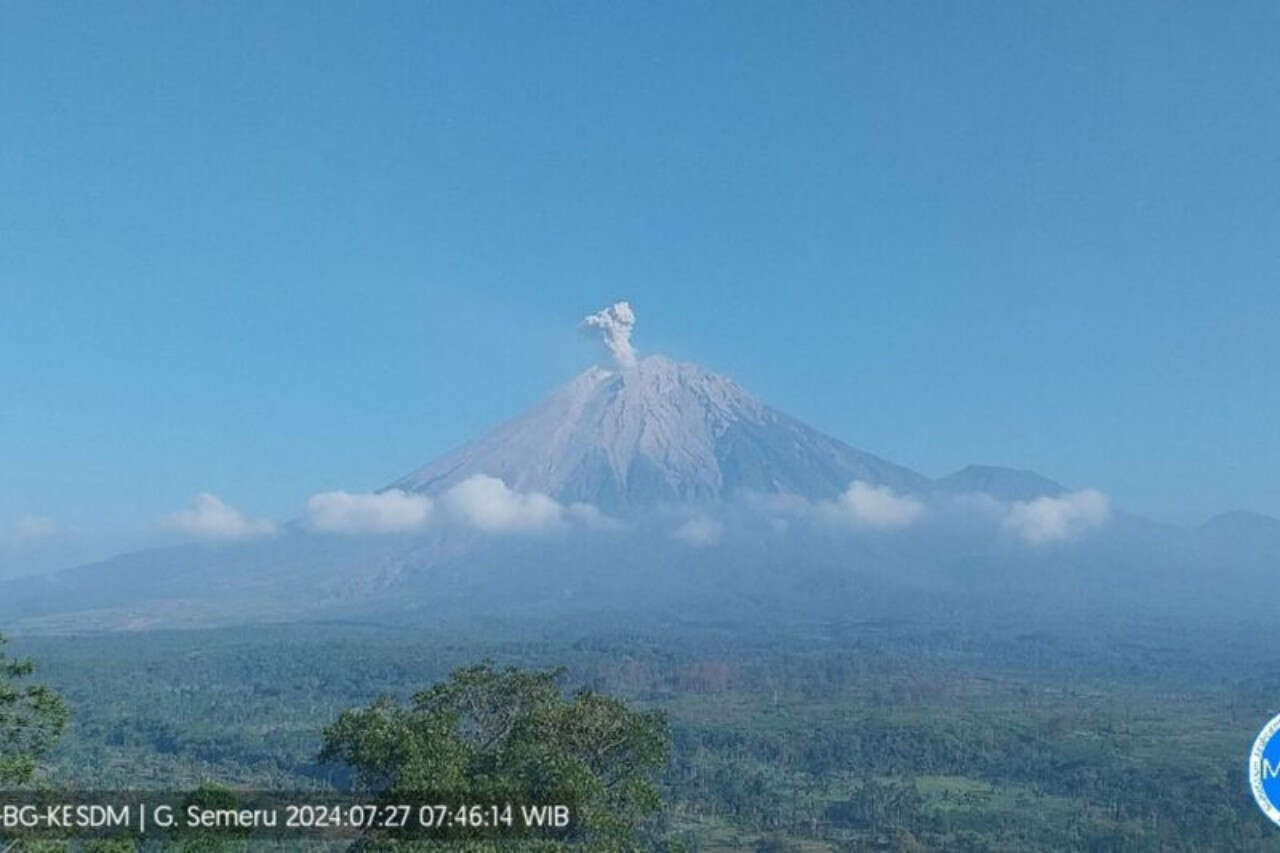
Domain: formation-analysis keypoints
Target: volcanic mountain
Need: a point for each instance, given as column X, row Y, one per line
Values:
column 658, row 432
column 705, row 503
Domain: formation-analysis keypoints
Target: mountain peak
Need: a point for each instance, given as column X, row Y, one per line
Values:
column 656, row 431
column 1242, row 520
column 1008, row 484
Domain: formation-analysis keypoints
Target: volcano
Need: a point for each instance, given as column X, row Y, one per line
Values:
column 653, row 486
column 658, row 432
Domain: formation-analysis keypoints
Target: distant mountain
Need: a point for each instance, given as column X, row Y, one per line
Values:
column 669, row 448
column 1243, row 530
column 1242, row 522
column 1006, row 484
column 659, row 432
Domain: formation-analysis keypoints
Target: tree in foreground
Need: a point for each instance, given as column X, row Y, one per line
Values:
column 32, row 718
column 488, row 735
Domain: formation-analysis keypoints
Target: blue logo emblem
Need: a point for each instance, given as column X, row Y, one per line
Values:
column 1264, row 770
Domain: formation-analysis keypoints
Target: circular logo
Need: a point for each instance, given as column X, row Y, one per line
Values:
column 1264, row 770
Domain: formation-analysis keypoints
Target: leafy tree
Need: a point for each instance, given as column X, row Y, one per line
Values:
column 488, row 735
column 32, row 718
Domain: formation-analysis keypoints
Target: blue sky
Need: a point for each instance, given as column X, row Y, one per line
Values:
column 264, row 250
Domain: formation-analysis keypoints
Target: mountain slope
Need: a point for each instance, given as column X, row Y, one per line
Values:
column 658, row 432
column 668, row 445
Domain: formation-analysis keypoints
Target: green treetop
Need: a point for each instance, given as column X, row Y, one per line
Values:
column 31, row 719
column 489, row 735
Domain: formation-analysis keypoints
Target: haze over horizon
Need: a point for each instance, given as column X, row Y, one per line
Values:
column 942, row 238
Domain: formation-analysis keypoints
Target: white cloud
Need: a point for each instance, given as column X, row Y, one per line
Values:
column 486, row 503
column 392, row 511
column 1053, row 519
column 1042, row 520
column 32, row 528
column 868, row 505
column 482, row 502
column 210, row 518
column 863, row 504
column 699, row 531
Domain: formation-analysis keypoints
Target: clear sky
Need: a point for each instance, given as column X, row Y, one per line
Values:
column 266, row 249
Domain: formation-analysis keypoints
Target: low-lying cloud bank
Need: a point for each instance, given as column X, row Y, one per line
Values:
column 1055, row 519
column 486, row 503
column 489, row 505
column 480, row 502
column 867, row 506
column 210, row 518
column 863, row 505
column 392, row 511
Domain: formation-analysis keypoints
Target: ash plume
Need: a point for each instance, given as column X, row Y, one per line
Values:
column 615, row 324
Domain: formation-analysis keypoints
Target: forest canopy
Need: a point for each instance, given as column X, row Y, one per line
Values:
column 32, row 717
column 489, row 735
